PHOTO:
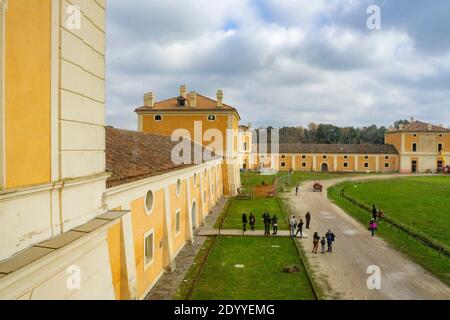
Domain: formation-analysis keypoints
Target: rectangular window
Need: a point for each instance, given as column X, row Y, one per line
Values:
column 440, row 147
column 304, row 164
column 283, row 164
column 366, row 165
column 386, row 165
column 177, row 222
column 245, row 146
column 149, row 247
column 345, row 165
column 414, row 147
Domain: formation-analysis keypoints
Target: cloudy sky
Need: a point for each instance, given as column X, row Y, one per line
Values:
column 283, row 62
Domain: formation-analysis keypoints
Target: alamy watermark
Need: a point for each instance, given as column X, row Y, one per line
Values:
column 374, row 280
column 374, row 20
column 73, row 21
column 73, row 281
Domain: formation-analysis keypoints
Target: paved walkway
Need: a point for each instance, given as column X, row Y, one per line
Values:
column 343, row 273
column 167, row 286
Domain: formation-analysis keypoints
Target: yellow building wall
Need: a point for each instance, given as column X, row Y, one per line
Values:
column 394, row 139
column 178, row 203
column 445, row 140
column 409, row 140
column 171, row 122
column 27, row 92
column 350, row 161
column 142, row 223
column 116, row 248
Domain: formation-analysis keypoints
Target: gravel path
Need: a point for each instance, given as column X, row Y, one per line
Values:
column 343, row 273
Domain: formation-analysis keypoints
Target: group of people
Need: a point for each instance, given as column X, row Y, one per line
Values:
column 296, row 228
column 269, row 222
column 377, row 216
column 327, row 240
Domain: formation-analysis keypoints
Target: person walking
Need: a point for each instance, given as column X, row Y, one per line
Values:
column 300, row 229
column 252, row 221
column 308, row 219
column 297, row 189
column 374, row 212
column 275, row 224
column 244, row 222
column 316, row 239
column 330, row 239
column 373, row 226
column 292, row 224
column 322, row 243
column 267, row 222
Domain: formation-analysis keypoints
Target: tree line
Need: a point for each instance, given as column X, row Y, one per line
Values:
column 331, row 134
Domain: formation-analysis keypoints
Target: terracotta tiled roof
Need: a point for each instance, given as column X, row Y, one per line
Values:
column 203, row 103
column 419, row 126
column 132, row 156
column 337, row 148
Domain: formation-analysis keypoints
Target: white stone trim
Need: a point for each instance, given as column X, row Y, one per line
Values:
column 168, row 219
column 128, row 240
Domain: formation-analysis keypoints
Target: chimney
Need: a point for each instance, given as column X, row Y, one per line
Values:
column 183, row 91
column 219, row 98
column 149, row 99
column 430, row 127
column 193, row 99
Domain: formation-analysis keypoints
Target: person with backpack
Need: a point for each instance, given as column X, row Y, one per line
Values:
column 373, row 226
column 292, row 224
column 300, row 229
column 252, row 221
column 244, row 222
column 275, row 224
column 308, row 219
column 322, row 243
column 316, row 239
column 330, row 239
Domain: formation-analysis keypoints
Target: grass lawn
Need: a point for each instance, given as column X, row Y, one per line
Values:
column 262, row 274
column 233, row 217
column 254, row 178
column 422, row 203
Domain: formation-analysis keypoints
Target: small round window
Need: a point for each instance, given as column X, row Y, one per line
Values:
column 149, row 200
column 211, row 117
column 158, row 118
column 178, row 187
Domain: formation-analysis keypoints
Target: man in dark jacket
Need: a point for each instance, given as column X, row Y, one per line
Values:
column 244, row 222
column 308, row 219
column 330, row 239
column 300, row 228
column 374, row 212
